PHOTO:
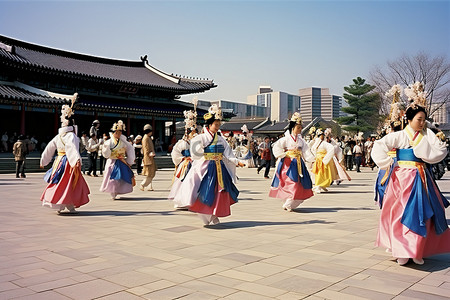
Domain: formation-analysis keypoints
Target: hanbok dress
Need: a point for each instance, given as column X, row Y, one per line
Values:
column 412, row 221
column 118, row 177
column 66, row 186
column 181, row 158
column 383, row 177
column 209, row 187
column 291, row 181
column 324, row 168
column 337, row 158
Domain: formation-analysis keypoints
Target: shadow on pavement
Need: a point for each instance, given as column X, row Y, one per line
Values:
column 117, row 213
column 327, row 209
column 139, row 199
column 246, row 224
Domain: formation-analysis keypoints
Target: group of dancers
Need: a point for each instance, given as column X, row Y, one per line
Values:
column 412, row 222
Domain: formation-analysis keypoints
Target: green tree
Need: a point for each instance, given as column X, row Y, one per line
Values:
column 363, row 109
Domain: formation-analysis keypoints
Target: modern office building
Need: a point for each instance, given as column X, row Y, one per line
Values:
column 441, row 114
column 318, row 102
column 281, row 104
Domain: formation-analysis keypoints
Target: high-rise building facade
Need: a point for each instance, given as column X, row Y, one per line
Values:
column 318, row 102
column 280, row 105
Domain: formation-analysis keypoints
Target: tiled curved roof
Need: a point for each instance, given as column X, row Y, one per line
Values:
column 11, row 93
column 127, row 72
column 17, row 94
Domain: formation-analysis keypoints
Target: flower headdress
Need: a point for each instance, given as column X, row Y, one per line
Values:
column 312, row 130
column 213, row 112
column 190, row 120
column 416, row 94
column 327, row 132
column 297, row 118
column 395, row 116
column 67, row 111
column 118, row 126
column 319, row 131
column 244, row 128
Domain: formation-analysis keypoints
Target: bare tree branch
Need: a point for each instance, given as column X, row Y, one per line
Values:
column 434, row 72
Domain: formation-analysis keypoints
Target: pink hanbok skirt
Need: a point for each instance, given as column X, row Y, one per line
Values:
column 71, row 189
column 111, row 185
column 393, row 235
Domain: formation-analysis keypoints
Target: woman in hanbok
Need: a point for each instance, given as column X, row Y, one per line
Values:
column 324, row 168
column 291, row 181
column 246, row 148
column 118, row 177
column 210, row 184
column 337, row 159
column 412, row 221
column 181, row 158
column 66, row 187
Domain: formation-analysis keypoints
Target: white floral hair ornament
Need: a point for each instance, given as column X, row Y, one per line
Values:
column 297, row 118
column 67, row 111
column 118, row 126
column 319, row 131
column 190, row 120
column 312, row 130
column 213, row 111
column 416, row 94
column 327, row 132
column 244, row 128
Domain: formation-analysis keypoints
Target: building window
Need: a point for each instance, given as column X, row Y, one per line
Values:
column 290, row 104
column 261, row 100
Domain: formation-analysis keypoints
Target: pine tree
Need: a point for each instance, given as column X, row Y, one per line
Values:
column 363, row 109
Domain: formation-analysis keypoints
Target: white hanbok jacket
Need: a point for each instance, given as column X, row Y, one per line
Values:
column 189, row 189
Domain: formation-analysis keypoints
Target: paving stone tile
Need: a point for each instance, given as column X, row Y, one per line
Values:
column 414, row 294
column 47, row 295
column 240, row 275
column 301, row 285
column 367, row 294
column 209, row 288
column 90, row 289
column 34, row 272
column 205, row 271
column 334, row 295
column 429, row 289
column 198, row 296
column 260, row 289
column 131, row 278
column 173, row 292
column 120, row 296
column 51, row 285
column 246, row 295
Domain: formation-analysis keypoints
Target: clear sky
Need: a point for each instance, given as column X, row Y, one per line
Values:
column 240, row 44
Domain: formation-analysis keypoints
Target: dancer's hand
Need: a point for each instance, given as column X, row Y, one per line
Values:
column 241, row 164
column 41, row 166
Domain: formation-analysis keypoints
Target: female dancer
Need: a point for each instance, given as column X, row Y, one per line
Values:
column 324, row 169
column 118, row 178
column 291, row 181
column 181, row 158
column 66, row 186
column 412, row 221
column 209, row 185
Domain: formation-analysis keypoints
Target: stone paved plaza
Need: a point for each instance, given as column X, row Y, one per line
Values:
column 139, row 247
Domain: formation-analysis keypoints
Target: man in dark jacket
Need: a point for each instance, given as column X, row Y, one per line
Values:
column 20, row 151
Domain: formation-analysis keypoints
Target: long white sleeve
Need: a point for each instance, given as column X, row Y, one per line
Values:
column 49, row 152
column 176, row 155
column 430, row 149
column 330, row 152
column 106, row 149
column 72, row 144
column 278, row 148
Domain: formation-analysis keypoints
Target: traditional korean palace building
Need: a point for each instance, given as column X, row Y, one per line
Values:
column 35, row 81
